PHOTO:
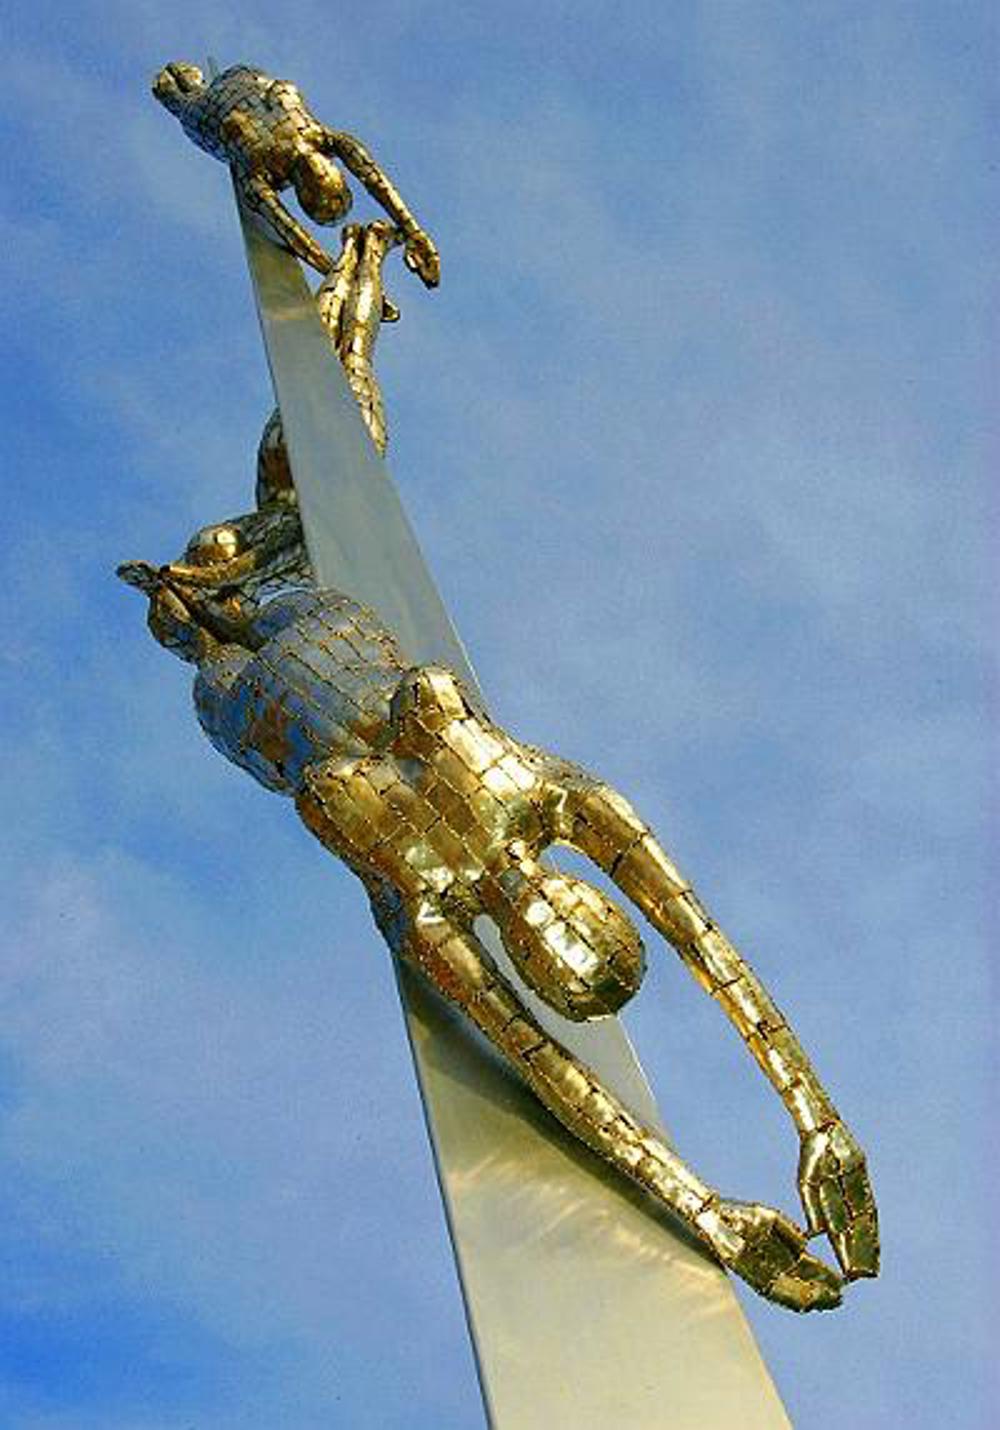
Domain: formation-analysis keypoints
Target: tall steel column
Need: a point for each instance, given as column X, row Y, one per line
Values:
column 587, row 1308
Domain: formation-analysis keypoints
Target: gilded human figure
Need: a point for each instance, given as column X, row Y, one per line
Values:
column 445, row 817
column 399, row 771
column 263, row 129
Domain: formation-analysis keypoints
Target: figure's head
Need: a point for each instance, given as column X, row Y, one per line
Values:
column 321, row 188
column 176, row 84
column 570, row 943
column 171, row 619
column 194, row 605
column 214, row 547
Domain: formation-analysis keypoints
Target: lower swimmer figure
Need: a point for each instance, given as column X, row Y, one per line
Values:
column 444, row 817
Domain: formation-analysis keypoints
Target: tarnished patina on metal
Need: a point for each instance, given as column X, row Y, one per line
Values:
column 565, row 1267
column 373, row 728
column 444, row 817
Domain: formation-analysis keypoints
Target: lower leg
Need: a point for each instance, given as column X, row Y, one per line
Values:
column 333, row 293
column 360, row 320
column 759, row 1244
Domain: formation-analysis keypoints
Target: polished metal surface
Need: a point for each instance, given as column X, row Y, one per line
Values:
column 357, row 533
column 445, row 818
column 263, row 129
column 327, row 668
column 587, row 1308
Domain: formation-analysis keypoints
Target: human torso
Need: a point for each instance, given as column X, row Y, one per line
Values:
column 277, row 118
column 319, row 686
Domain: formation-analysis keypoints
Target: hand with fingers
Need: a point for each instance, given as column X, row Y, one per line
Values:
column 833, row 1178
column 421, row 257
column 837, row 1197
column 445, row 817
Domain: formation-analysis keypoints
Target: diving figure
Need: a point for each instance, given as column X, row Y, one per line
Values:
column 444, row 817
column 263, row 129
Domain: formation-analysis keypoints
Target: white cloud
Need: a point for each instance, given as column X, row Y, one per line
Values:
column 689, row 434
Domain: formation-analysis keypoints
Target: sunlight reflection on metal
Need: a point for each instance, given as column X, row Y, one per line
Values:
column 586, row 1306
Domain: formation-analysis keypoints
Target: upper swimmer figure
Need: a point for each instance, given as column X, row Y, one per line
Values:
column 263, row 129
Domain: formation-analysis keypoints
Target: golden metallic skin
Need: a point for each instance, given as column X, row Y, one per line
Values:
column 443, row 815
column 262, row 128
column 352, row 306
column 265, row 550
column 450, row 821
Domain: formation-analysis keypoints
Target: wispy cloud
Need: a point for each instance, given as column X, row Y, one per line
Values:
column 692, row 434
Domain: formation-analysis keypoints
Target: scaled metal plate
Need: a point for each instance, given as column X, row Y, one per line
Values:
column 587, row 1307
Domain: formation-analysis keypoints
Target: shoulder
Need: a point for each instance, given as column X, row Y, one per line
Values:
column 303, row 610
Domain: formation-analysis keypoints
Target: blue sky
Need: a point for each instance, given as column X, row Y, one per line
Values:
column 694, row 434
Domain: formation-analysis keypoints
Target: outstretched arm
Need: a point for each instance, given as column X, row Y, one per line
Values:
column 262, row 199
column 420, row 254
column 833, row 1180
column 758, row 1243
column 260, row 196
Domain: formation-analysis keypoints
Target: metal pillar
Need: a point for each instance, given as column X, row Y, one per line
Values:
column 587, row 1308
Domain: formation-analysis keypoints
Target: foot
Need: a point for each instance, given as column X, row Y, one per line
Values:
column 768, row 1251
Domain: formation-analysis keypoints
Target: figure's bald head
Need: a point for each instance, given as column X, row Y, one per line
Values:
column 176, row 83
